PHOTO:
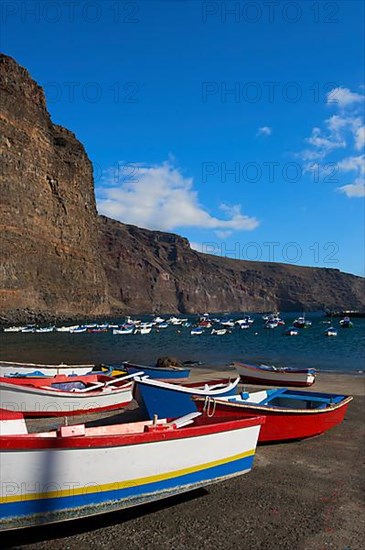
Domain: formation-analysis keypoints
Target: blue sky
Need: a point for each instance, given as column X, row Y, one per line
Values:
column 239, row 125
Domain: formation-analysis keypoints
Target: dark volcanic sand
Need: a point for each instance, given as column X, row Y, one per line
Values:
column 305, row 495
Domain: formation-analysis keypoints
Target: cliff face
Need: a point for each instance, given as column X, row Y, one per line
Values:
column 59, row 259
column 49, row 254
column 155, row 271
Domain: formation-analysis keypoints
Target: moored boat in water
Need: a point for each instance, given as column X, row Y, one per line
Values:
column 291, row 331
column 330, row 331
column 346, row 323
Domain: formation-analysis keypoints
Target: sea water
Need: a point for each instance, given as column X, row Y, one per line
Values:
column 311, row 348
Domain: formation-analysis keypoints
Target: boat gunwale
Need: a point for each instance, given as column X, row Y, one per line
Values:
column 154, row 368
column 277, row 370
column 46, row 366
column 55, row 392
column 280, row 410
column 34, row 442
column 187, row 389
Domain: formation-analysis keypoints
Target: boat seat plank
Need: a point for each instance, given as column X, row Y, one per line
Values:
column 186, row 420
column 272, row 396
column 309, row 397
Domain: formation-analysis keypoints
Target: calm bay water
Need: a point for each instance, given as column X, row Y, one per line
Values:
column 311, row 348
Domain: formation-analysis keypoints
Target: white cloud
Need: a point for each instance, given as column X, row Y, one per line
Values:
column 354, row 190
column 360, row 138
column 161, row 197
column 350, row 164
column 343, row 97
column 264, row 131
column 324, row 144
column 357, row 165
column 223, row 234
column 344, row 130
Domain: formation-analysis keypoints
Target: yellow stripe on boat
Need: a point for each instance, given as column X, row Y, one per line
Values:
column 124, row 484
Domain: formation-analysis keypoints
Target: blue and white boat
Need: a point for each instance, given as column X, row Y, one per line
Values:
column 330, row 331
column 123, row 330
column 346, row 323
column 79, row 471
column 172, row 373
column 197, row 331
column 169, row 400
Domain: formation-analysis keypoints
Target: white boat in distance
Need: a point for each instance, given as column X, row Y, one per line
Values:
column 122, row 330
column 219, row 331
column 142, row 330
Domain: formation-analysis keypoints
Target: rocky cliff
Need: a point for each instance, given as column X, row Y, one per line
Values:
column 155, row 271
column 59, row 259
column 49, row 254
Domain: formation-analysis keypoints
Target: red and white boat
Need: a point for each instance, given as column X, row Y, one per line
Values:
column 289, row 414
column 77, row 472
column 275, row 376
column 64, row 396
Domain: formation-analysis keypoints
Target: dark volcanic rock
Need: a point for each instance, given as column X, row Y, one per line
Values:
column 49, row 254
column 155, row 271
column 60, row 260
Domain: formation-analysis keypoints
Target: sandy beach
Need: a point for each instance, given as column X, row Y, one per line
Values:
column 306, row 495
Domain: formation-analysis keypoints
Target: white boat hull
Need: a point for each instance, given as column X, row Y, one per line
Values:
column 47, row 478
column 24, row 369
column 279, row 377
column 47, row 402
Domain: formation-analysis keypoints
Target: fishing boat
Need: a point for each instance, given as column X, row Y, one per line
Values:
column 142, row 330
column 158, row 320
column 248, row 319
column 66, row 329
column 176, row 321
column 41, row 330
column 55, row 476
column 123, row 330
column 330, row 331
column 165, row 399
column 8, row 368
column 64, row 396
column 227, row 323
column 289, row 414
column 291, row 331
column 205, row 324
column 219, row 331
column 27, row 330
column 275, row 376
column 346, row 323
column 197, row 331
column 271, row 324
column 78, row 330
column 172, row 372
column 301, row 322
column 13, row 329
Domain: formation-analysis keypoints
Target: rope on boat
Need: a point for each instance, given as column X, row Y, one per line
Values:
column 209, row 406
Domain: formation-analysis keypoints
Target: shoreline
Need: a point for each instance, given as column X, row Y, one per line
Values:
column 305, row 495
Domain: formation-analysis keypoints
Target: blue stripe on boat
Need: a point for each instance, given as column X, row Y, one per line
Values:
column 31, row 507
